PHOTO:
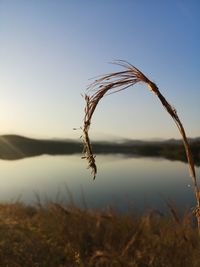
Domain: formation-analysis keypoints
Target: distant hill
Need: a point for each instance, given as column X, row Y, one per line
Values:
column 16, row 147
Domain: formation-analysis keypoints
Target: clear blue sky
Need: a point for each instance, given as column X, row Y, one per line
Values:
column 50, row 49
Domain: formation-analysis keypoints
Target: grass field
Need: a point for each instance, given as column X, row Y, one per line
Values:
column 58, row 236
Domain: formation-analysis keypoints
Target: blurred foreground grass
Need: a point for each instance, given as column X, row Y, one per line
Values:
column 60, row 236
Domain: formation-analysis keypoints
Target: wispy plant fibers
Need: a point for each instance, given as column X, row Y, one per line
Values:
column 118, row 81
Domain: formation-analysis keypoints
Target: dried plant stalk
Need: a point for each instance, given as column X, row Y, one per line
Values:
column 119, row 81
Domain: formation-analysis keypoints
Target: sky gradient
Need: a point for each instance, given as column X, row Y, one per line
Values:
column 49, row 50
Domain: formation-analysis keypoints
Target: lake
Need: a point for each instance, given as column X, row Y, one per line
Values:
column 122, row 182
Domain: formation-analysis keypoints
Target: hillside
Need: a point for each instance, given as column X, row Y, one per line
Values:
column 16, row 147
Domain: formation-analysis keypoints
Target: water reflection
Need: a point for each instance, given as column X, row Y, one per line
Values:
column 121, row 182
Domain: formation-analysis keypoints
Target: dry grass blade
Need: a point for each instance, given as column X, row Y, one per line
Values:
column 118, row 81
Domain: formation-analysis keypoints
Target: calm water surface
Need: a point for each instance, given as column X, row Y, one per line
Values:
column 122, row 182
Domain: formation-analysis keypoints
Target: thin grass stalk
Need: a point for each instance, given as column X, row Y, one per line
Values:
column 118, row 81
